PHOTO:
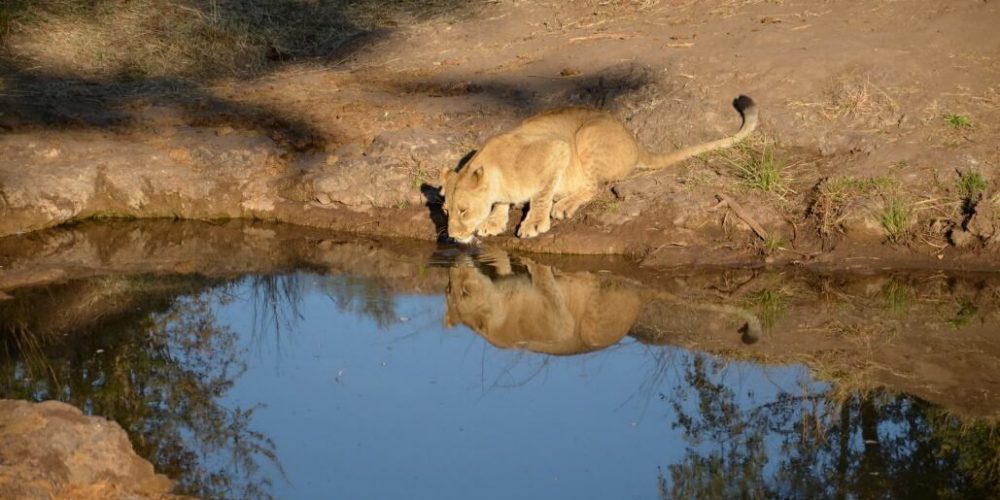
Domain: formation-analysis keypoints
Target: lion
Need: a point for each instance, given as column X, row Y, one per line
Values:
column 547, row 312
column 552, row 312
column 556, row 161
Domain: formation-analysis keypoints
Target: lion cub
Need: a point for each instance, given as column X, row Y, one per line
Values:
column 555, row 160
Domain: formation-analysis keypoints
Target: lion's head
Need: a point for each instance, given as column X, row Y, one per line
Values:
column 470, row 298
column 467, row 200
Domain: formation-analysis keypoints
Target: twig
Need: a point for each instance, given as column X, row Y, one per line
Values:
column 742, row 214
column 598, row 36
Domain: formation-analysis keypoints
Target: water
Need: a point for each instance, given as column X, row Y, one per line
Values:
column 268, row 361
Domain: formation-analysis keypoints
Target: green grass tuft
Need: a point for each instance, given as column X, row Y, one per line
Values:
column 758, row 169
column 971, row 184
column 895, row 219
column 957, row 121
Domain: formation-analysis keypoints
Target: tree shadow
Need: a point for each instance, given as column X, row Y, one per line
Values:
column 44, row 101
column 601, row 89
column 175, row 52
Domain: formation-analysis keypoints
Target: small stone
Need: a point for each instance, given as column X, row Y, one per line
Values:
column 961, row 239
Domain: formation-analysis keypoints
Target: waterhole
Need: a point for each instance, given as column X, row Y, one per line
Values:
column 261, row 361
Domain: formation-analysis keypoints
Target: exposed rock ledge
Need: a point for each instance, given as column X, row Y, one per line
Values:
column 51, row 450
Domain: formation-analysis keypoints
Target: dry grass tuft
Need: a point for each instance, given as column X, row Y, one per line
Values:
column 834, row 200
column 855, row 98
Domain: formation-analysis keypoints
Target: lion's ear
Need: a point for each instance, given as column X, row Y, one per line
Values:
column 478, row 173
column 446, row 174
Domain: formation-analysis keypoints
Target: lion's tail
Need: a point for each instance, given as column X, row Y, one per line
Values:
column 743, row 104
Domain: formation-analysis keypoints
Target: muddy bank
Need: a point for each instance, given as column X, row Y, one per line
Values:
column 655, row 221
column 926, row 333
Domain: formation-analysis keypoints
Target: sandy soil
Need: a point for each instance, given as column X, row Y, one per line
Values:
column 867, row 107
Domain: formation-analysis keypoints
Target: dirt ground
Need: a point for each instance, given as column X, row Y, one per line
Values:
column 879, row 128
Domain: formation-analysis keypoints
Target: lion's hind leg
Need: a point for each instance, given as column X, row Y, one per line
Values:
column 568, row 205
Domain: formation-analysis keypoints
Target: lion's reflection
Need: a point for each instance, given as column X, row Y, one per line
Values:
column 541, row 310
column 538, row 308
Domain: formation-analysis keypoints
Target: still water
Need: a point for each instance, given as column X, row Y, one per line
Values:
column 260, row 361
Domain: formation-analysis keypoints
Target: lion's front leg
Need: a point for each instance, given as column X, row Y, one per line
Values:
column 549, row 160
column 496, row 223
column 537, row 221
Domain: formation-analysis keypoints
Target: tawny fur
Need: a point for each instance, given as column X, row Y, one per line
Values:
column 557, row 161
column 551, row 313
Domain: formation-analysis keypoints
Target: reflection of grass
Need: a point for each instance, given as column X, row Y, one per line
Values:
column 276, row 300
column 773, row 243
column 966, row 313
column 768, row 304
column 896, row 296
column 364, row 296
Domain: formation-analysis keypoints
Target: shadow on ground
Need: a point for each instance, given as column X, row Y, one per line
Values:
column 71, row 64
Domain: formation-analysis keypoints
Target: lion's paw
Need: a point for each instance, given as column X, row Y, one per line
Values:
column 490, row 228
column 564, row 209
column 531, row 228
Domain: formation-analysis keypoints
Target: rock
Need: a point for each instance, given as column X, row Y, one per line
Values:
column 862, row 227
column 192, row 174
column 431, row 149
column 323, row 199
column 982, row 221
column 388, row 174
column 51, row 450
column 979, row 227
column 962, row 239
column 860, row 222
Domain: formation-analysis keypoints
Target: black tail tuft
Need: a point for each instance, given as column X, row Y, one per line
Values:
column 743, row 103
